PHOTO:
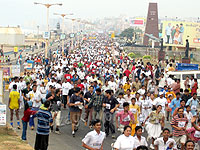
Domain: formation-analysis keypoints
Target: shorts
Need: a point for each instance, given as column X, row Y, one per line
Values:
column 74, row 117
column 14, row 107
column 180, row 139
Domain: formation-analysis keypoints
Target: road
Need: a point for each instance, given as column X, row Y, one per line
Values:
column 65, row 139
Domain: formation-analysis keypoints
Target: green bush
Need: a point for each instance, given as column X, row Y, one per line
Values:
column 147, row 57
column 132, row 55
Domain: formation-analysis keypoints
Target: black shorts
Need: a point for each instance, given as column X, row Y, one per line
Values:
column 41, row 142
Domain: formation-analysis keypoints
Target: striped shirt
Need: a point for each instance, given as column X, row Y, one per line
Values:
column 44, row 120
column 179, row 122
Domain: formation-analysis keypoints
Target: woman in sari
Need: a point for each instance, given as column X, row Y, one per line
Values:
column 176, row 35
column 194, row 87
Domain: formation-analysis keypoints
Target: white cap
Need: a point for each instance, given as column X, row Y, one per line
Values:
column 161, row 93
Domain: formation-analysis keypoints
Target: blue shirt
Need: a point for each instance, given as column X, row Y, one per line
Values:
column 175, row 102
column 194, row 105
column 44, row 120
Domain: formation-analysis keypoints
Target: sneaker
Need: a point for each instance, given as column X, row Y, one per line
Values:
column 68, row 122
column 113, row 137
column 151, row 146
column 57, row 132
column 76, row 129
column 18, row 127
column 73, row 133
column 82, row 120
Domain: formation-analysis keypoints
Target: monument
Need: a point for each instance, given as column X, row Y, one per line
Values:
column 186, row 59
column 152, row 24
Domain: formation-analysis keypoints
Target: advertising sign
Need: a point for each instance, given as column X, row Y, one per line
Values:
column 15, row 49
column 15, row 70
column 1, row 86
column 46, row 35
column 6, row 71
column 137, row 22
column 2, row 115
column 62, row 36
column 175, row 33
column 184, row 66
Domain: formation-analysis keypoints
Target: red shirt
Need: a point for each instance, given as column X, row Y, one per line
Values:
column 133, row 68
column 127, row 72
column 27, row 114
column 80, row 86
column 68, row 77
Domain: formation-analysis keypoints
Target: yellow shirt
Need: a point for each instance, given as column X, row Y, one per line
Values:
column 14, row 100
column 135, row 110
column 171, row 69
column 100, row 82
column 170, row 93
column 45, row 81
column 133, row 93
column 126, row 87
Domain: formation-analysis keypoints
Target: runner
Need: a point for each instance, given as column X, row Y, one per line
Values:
column 14, row 104
column 94, row 139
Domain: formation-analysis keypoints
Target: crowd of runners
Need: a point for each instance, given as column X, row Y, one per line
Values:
column 100, row 85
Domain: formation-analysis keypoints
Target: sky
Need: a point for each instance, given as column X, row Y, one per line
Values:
column 24, row 12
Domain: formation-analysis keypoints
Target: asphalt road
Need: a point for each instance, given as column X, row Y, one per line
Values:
column 65, row 140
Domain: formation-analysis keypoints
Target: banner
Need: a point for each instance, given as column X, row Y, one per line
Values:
column 2, row 115
column 184, row 66
column 15, row 70
column 175, row 33
column 1, row 86
column 6, row 71
column 15, row 49
column 137, row 22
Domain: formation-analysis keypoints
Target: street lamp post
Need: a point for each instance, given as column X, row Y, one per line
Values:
column 72, row 41
column 47, row 6
column 38, row 27
column 63, row 27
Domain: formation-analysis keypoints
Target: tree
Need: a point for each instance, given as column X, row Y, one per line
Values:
column 128, row 33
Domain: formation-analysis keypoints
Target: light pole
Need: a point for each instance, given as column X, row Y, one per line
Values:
column 38, row 27
column 72, row 41
column 63, row 27
column 47, row 6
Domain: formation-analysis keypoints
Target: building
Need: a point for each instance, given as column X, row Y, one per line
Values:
column 11, row 36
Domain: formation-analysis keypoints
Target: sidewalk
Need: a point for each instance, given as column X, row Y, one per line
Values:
column 10, row 141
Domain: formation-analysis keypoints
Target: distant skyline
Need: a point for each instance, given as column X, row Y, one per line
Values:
column 24, row 12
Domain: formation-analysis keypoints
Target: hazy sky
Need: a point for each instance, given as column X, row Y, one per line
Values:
column 24, row 12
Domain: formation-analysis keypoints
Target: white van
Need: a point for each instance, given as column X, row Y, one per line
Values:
column 182, row 76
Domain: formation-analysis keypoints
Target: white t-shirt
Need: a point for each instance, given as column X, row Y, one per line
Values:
column 35, row 96
column 94, row 140
column 58, row 86
column 66, row 86
column 139, row 143
column 161, row 101
column 124, row 143
column 162, row 145
column 112, row 85
column 59, row 75
column 11, row 86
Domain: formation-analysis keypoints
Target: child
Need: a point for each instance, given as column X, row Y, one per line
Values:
column 27, row 113
column 168, row 109
column 138, row 138
column 189, row 89
column 121, row 100
column 135, row 109
column 189, row 116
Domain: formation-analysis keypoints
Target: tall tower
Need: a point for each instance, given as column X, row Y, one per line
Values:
column 152, row 23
